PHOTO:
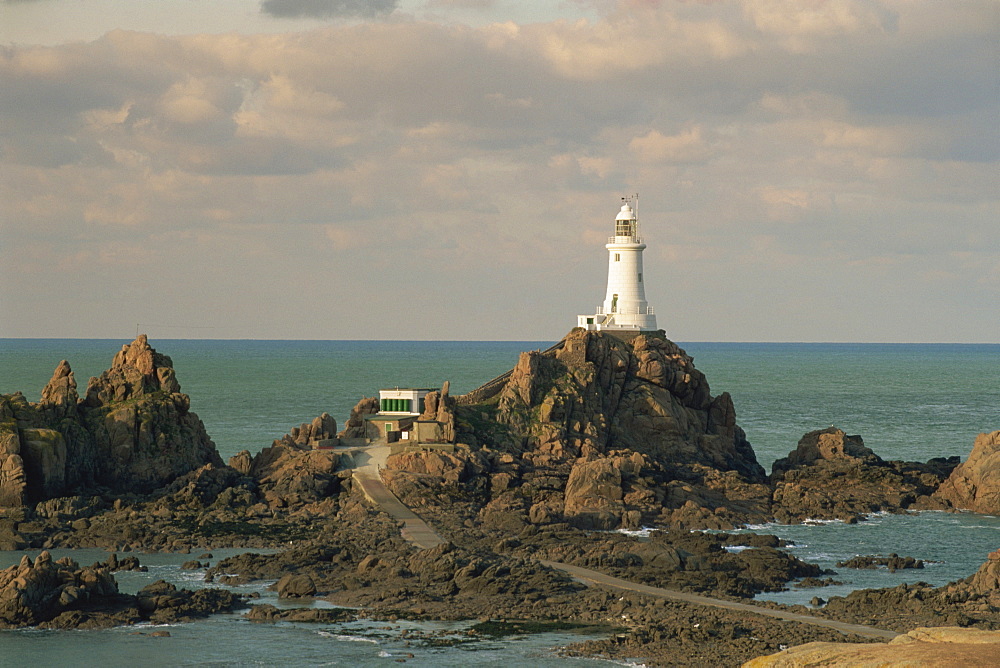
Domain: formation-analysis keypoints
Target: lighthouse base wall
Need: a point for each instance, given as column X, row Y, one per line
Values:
column 628, row 335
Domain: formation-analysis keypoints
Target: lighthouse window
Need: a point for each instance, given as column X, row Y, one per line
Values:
column 618, row 257
column 640, row 277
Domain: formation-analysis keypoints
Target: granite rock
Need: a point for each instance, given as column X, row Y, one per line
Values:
column 975, row 483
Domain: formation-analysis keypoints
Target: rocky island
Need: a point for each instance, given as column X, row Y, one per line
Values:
column 524, row 480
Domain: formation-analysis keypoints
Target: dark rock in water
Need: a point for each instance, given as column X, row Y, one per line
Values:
column 163, row 603
column 295, row 586
column 61, row 595
column 823, row 446
column 893, row 562
column 269, row 613
column 36, row 591
column 831, row 475
column 975, row 484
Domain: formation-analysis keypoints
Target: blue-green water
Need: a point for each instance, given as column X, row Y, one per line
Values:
column 908, row 402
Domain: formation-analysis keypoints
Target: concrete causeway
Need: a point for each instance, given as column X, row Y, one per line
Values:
column 368, row 476
column 417, row 532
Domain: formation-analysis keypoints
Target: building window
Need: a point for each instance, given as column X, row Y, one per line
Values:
column 617, row 257
column 640, row 277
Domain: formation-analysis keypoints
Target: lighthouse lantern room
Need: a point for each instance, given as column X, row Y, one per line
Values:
column 625, row 308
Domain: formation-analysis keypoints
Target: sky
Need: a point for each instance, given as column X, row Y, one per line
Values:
column 807, row 170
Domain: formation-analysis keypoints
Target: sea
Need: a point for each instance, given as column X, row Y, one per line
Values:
column 908, row 401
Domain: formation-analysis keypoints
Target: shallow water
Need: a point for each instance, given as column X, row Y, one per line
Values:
column 231, row 640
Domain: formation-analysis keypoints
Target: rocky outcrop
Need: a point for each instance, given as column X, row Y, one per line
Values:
column 831, row 475
column 439, row 406
column 144, row 433
column 604, row 433
column 975, row 484
column 322, row 429
column 824, row 445
column 12, row 476
column 36, row 591
column 356, row 427
column 948, row 646
column 61, row 595
column 598, row 393
column 292, row 472
column 133, row 432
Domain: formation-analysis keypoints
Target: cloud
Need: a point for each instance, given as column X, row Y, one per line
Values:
column 805, row 18
column 328, row 9
column 348, row 160
column 686, row 146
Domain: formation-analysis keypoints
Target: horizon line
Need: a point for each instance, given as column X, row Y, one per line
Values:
column 829, row 342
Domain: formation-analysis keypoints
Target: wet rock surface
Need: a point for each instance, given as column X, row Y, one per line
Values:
column 892, row 563
column 58, row 594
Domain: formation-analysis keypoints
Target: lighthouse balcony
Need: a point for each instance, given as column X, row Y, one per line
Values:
column 632, row 239
column 626, row 310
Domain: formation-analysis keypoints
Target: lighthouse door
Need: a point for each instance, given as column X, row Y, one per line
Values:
column 614, row 303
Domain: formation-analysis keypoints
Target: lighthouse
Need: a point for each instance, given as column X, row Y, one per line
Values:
column 625, row 309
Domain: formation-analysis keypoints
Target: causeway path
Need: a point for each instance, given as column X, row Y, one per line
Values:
column 368, row 476
column 417, row 532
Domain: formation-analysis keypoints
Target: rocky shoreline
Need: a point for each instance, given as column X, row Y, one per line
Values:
column 599, row 434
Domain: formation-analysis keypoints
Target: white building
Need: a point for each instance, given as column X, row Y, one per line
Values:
column 407, row 401
column 625, row 307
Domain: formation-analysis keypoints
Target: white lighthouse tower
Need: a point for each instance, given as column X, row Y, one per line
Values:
column 625, row 308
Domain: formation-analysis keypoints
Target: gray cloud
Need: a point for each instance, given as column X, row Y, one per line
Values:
column 328, row 9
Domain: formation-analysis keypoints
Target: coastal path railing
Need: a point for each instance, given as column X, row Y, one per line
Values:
column 493, row 387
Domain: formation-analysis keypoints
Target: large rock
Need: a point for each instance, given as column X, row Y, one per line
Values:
column 975, row 484
column 290, row 471
column 946, row 646
column 593, row 497
column 831, row 475
column 133, row 432
column 32, row 592
column 604, row 432
column 12, row 476
column 829, row 444
column 356, row 426
column 144, row 433
column 599, row 393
